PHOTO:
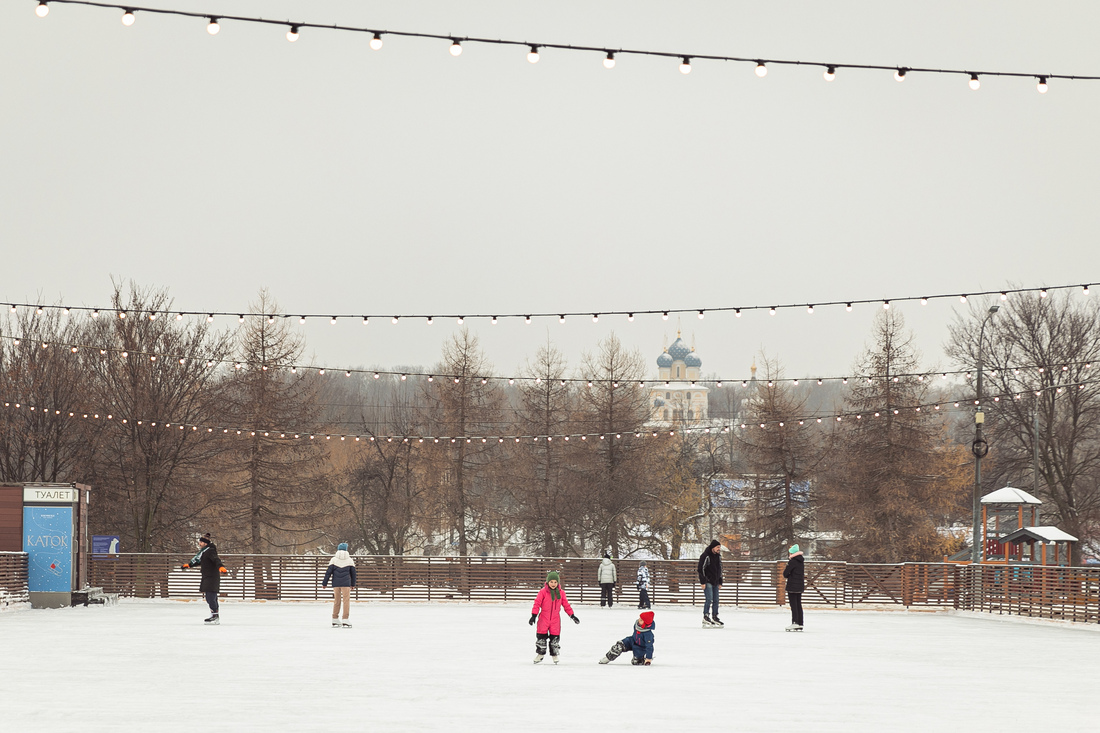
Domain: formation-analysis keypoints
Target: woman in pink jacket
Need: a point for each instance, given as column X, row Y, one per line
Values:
column 547, row 609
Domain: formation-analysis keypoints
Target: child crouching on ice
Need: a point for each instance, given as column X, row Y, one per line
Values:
column 640, row 642
column 547, row 609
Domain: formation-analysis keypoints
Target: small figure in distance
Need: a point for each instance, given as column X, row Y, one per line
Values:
column 795, row 573
column 547, row 611
column 211, row 569
column 606, row 576
column 710, row 578
column 643, row 585
column 640, row 643
column 341, row 570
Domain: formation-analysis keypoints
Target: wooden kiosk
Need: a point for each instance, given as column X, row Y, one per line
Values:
column 1011, row 530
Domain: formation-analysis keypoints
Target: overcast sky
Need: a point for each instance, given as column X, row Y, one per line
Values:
column 404, row 180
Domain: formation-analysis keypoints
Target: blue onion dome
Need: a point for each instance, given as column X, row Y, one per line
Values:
column 679, row 349
column 692, row 360
column 664, row 360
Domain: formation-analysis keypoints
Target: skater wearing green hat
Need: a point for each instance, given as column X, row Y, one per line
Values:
column 547, row 611
column 795, row 573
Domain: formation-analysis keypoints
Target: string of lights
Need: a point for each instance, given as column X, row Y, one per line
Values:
column 713, row 427
column 608, row 54
column 161, row 358
column 562, row 315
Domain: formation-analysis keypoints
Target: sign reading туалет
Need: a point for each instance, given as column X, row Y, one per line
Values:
column 48, row 495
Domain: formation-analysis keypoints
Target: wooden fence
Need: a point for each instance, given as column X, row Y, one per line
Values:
column 13, row 579
column 1050, row 592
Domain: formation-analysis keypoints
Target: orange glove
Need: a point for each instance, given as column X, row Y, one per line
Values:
column 222, row 570
column 184, row 567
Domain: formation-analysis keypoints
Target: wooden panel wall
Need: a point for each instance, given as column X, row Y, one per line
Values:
column 11, row 518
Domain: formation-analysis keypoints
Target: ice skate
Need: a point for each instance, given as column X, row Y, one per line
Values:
column 556, row 659
column 613, row 653
column 637, row 661
column 715, row 620
column 213, row 620
column 335, row 624
column 538, row 658
column 708, row 624
column 794, row 627
column 346, row 625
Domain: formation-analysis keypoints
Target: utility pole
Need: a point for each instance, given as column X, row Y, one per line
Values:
column 979, row 448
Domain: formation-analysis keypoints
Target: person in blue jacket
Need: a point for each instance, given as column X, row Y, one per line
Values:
column 640, row 643
column 341, row 570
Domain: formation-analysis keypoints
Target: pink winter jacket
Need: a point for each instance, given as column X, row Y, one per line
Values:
column 549, row 610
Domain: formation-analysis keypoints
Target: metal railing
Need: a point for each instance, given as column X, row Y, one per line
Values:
column 1049, row 592
column 13, row 579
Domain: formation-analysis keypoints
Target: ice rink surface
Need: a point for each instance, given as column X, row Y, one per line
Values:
column 153, row 666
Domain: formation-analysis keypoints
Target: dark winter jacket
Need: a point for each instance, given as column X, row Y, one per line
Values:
column 210, row 566
column 341, row 571
column 795, row 573
column 710, row 566
column 641, row 641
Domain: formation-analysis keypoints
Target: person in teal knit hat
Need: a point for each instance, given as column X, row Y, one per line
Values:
column 795, row 573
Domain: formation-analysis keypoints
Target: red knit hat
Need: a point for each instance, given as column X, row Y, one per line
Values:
column 647, row 618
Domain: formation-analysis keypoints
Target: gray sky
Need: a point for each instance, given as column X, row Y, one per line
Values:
column 348, row 180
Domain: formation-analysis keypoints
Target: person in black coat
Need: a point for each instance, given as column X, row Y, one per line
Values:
column 212, row 569
column 710, row 577
column 341, row 571
column 795, row 573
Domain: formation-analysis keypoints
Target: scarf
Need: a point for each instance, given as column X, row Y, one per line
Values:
column 198, row 555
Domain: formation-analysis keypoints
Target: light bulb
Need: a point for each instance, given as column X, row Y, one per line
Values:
column 42, row 10
column 301, row 319
column 1085, row 290
column 1043, row 293
column 240, row 319
column 561, row 319
column 630, row 316
column 685, row 66
column 830, row 73
column 974, row 83
column 394, row 320
column 899, row 75
column 664, row 316
column 461, row 320
column 1042, row 85
column 292, row 34
column 886, row 305
column 761, row 70
column 700, row 315
column 376, row 42
column 527, row 319
column 924, row 301
column 771, row 311
column 848, row 307
column 595, row 317
column 456, row 48
column 212, row 28
column 128, row 18
column 533, row 55
column 809, row 309
column 962, row 298
column 609, row 62
column 1004, row 296
column 430, row 320
column 737, row 312
column 333, row 320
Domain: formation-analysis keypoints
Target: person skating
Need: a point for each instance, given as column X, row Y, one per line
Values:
column 710, row 577
column 606, row 576
column 547, row 611
column 211, row 568
column 341, row 570
column 795, row 573
column 640, row 643
column 643, row 585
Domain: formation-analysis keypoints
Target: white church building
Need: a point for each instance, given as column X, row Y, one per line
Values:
column 678, row 397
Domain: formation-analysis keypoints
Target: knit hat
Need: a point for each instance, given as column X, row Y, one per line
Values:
column 642, row 563
column 647, row 619
column 342, row 546
column 553, row 575
column 713, row 544
column 794, row 549
column 205, row 539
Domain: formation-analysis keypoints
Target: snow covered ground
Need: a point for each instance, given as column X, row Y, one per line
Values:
column 152, row 666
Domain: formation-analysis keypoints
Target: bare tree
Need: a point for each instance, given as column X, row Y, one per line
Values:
column 277, row 480
column 151, row 460
column 892, row 474
column 1041, row 356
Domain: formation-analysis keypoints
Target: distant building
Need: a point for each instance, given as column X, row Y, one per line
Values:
column 679, row 397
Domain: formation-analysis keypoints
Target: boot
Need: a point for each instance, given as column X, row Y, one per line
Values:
column 538, row 658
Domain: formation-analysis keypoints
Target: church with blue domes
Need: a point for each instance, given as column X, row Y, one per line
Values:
column 679, row 397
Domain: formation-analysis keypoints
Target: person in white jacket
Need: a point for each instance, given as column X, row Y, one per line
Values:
column 643, row 586
column 607, row 577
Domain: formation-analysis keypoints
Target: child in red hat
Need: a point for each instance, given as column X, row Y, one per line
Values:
column 640, row 643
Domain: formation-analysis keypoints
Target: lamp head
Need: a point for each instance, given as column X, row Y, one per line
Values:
column 994, row 308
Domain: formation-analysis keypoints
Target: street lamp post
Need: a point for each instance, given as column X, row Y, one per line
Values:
column 979, row 447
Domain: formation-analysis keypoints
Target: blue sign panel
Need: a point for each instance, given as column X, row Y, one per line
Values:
column 48, row 542
column 105, row 544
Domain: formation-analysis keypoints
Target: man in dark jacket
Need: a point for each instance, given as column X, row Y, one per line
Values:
column 211, row 568
column 795, row 573
column 710, row 577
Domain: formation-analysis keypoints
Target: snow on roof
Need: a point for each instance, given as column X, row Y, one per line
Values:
column 1042, row 534
column 1009, row 495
